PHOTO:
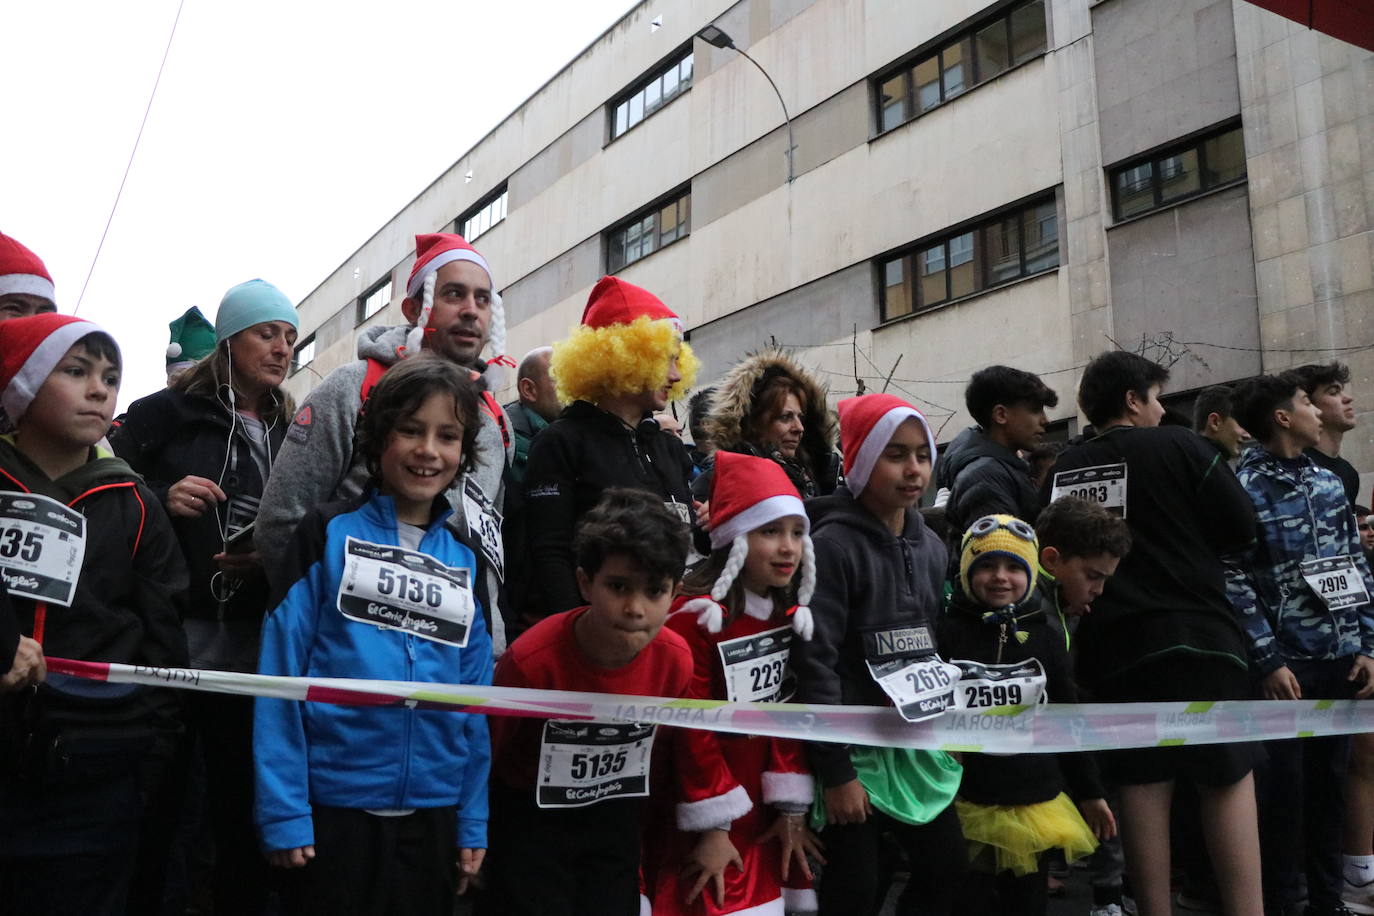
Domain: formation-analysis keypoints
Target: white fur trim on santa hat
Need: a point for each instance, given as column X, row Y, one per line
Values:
column 758, row 515
column 800, row 900
column 447, row 257
column 788, row 788
column 877, row 439
column 26, row 382
column 715, row 813
column 29, row 285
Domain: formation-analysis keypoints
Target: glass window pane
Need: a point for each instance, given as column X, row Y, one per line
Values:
column 990, row 44
column 670, row 83
column 1225, row 156
column 896, row 288
column 1002, row 250
column 963, row 269
column 684, row 70
column 892, row 101
column 646, row 236
column 668, row 224
column 1134, row 190
column 615, row 251
column 636, row 108
column 622, row 118
column 930, row 265
column 1040, row 232
column 927, row 77
column 653, row 95
column 955, row 59
column 1178, row 175
column 1027, row 31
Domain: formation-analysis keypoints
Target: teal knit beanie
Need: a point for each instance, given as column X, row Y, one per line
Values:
column 252, row 303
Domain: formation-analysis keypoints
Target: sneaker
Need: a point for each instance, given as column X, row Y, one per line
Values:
column 1110, row 909
column 1188, row 899
column 1358, row 898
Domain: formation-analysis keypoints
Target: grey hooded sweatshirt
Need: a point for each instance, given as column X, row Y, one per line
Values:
column 317, row 464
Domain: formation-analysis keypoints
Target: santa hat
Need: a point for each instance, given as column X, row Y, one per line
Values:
column 867, row 424
column 748, row 493
column 613, row 301
column 433, row 251
column 21, row 271
column 30, row 348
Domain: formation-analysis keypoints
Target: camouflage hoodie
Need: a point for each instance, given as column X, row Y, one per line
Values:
column 1303, row 515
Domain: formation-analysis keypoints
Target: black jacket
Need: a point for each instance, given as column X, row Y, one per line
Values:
column 9, row 633
column 1185, row 508
column 125, row 608
column 1019, row 779
column 986, row 479
column 867, row 581
column 167, row 436
column 572, row 462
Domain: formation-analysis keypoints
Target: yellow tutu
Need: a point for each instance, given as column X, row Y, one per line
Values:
column 1016, row 834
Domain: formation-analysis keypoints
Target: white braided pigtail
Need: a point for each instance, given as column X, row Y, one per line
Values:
column 416, row 338
column 496, row 338
column 710, row 614
column 803, row 624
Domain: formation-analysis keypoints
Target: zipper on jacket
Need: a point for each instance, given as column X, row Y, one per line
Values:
column 409, row 726
column 1001, row 641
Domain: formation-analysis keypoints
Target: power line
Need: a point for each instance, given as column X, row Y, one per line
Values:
column 132, row 153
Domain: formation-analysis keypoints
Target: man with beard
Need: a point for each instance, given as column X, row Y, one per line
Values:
column 453, row 312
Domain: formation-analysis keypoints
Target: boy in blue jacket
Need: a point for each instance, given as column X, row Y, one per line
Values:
column 382, row 810
column 1303, row 598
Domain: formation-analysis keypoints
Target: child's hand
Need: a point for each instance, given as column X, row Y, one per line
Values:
column 291, row 858
column 1281, row 684
column 239, row 565
column 797, row 841
column 27, row 667
column 190, row 496
column 712, row 855
column 469, row 864
column 703, row 511
column 1099, row 817
column 1362, row 673
column 847, row 803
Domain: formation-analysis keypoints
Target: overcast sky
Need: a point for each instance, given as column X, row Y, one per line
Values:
column 283, row 135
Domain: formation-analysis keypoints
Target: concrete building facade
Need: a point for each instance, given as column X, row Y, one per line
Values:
column 1027, row 182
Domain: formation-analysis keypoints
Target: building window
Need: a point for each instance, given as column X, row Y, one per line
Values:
column 304, row 355
column 974, row 56
column 651, row 93
column 648, row 231
column 375, row 299
column 490, row 211
column 1185, row 170
column 996, row 250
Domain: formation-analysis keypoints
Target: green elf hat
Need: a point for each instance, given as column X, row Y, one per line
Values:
column 193, row 339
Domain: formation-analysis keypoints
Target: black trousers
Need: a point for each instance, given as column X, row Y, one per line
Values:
column 562, row 862
column 862, row 857
column 225, row 727
column 1302, row 801
column 368, row 865
column 1005, row 893
column 68, row 847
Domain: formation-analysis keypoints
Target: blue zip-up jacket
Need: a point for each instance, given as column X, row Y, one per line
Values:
column 366, row 757
column 1303, row 515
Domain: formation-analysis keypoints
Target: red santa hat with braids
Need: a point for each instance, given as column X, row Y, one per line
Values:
column 748, row 493
column 433, row 251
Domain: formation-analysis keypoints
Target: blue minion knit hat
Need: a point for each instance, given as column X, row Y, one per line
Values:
column 252, row 303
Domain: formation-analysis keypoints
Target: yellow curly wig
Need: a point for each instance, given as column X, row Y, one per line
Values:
column 595, row 363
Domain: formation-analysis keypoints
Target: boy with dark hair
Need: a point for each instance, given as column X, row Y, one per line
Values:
column 1214, row 420
column 1303, row 596
column 97, row 576
column 879, row 583
column 1081, row 545
column 382, row 810
column 1163, row 629
column 1328, row 386
column 982, row 470
column 1362, row 523
column 568, row 796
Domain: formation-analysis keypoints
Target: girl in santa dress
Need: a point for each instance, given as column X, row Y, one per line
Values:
column 741, row 843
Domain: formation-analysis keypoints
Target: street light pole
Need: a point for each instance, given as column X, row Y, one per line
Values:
column 716, row 37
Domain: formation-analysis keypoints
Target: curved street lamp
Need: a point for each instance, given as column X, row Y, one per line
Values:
column 716, row 37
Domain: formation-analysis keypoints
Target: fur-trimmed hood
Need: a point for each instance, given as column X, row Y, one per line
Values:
column 734, row 395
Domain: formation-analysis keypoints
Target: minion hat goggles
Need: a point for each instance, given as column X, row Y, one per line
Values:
column 1004, row 535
